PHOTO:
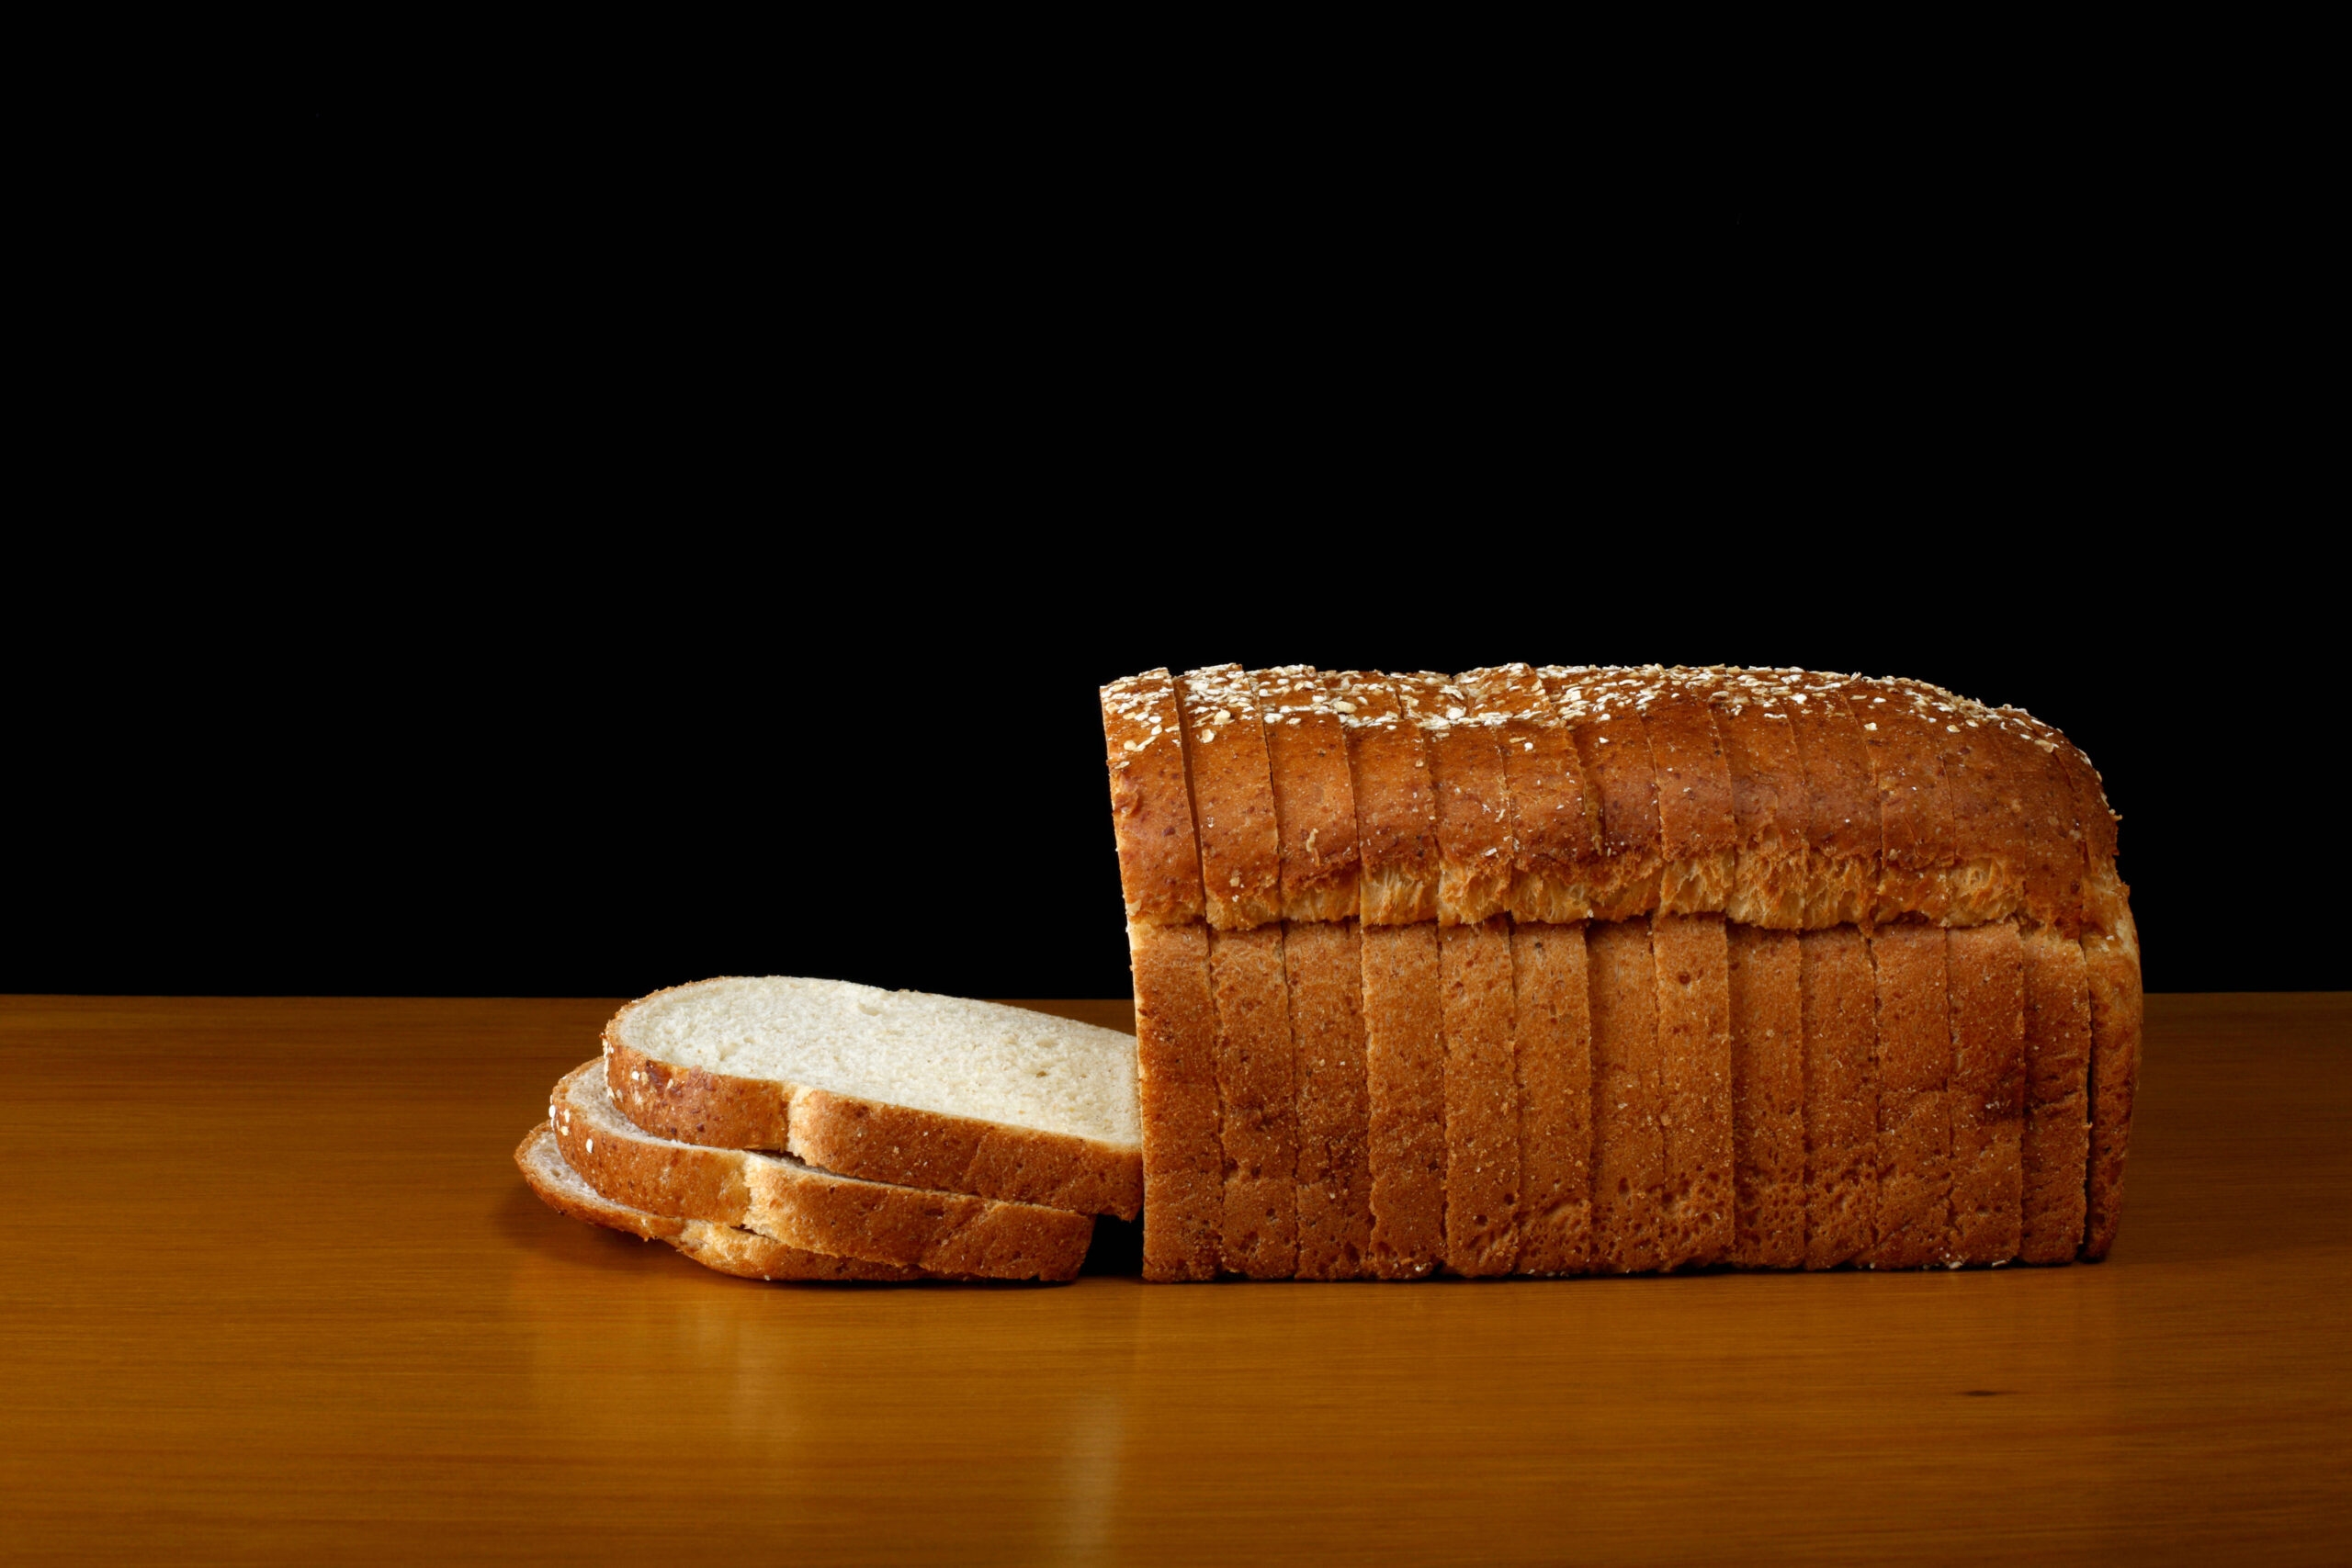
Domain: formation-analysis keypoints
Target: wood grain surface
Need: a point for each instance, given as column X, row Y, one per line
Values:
column 275, row 1293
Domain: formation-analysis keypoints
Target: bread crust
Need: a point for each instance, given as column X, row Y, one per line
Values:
column 1551, row 1040
column 1771, row 871
column 1184, row 1188
column 1315, row 802
column 1915, row 1058
column 1473, row 841
column 1598, row 706
column 1257, row 1104
column 1151, row 805
column 2111, row 964
column 1553, row 847
column 1838, row 993
column 1405, row 1086
column 1841, row 805
column 815, row 1210
column 1987, row 798
column 1697, row 834
column 1232, row 788
column 1482, row 1124
column 1395, row 801
column 2056, row 1152
column 722, row 1248
column 1767, row 1097
column 1692, row 960
column 1628, row 1145
column 871, row 1139
column 1914, row 818
column 1324, row 962
column 1984, row 969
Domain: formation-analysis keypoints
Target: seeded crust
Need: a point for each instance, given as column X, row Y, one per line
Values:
column 1152, row 808
column 1915, row 1060
column 870, row 1139
column 1325, row 965
column 1551, row 1040
column 1315, row 802
column 1257, row 1104
column 1554, row 843
column 1771, row 871
column 1395, row 801
column 1473, row 802
column 721, row 1248
column 1628, row 1145
column 1183, row 1186
column 1482, row 1129
column 1767, row 1097
column 1840, row 996
column 1694, row 1051
column 811, row 1209
column 1233, row 797
column 2056, row 1143
column 1405, row 1088
column 1915, row 818
column 1985, row 968
column 2111, row 964
column 1598, row 707
column 1698, row 836
column 1841, row 807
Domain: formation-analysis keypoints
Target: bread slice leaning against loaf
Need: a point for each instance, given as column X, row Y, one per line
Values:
column 722, row 1247
column 896, row 1086
column 778, row 1196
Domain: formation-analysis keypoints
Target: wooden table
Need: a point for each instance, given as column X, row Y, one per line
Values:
column 275, row 1294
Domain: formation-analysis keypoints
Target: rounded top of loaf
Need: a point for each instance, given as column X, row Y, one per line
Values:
column 948, row 1055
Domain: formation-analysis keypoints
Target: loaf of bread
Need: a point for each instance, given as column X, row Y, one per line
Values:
column 1563, row 969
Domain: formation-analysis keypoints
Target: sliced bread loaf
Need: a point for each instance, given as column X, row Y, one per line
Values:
column 896, row 1087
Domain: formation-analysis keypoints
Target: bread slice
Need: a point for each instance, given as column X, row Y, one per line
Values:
column 1151, row 805
column 1697, row 834
column 1839, row 996
column 1395, row 801
column 780, row 1197
column 1598, row 706
column 896, row 1086
column 1628, row 1144
column 721, row 1248
column 1985, row 984
column 1770, row 873
column 1315, row 803
column 1692, row 960
column 2111, row 963
column 1482, row 1125
column 1257, row 1104
column 1473, row 801
column 1233, row 799
column 1325, row 963
column 1554, row 846
column 1986, row 799
column 1768, row 1097
column 1915, row 1057
column 1183, row 1162
column 1405, row 1091
column 1844, row 842
column 1915, row 818
column 1552, row 1043
column 2054, row 1155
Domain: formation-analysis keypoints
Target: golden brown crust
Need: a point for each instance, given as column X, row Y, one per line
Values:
column 590, row 1208
column 1404, row 1082
column 1839, row 996
column 1914, row 1097
column 1151, row 806
column 1772, row 873
column 870, row 1139
column 1841, row 805
column 2111, row 964
column 1395, row 801
column 1697, row 834
column 1692, row 960
column 1473, row 800
column 1984, row 969
column 1325, row 965
column 1553, row 846
column 1257, row 1104
column 1315, row 803
column 1482, row 1172
column 1767, row 1097
column 1628, row 1145
column 1233, row 799
column 2057, row 1145
column 1184, row 1191
column 1598, row 706
column 1552, row 1037
column 937, row 1232
column 1915, row 818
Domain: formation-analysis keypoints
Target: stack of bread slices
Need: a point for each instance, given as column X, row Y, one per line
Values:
column 1575, row 970
column 790, row 1129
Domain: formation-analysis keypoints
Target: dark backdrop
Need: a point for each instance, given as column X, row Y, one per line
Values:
column 848, row 748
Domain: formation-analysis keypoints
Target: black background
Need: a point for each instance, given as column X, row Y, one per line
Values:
column 578, row 547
